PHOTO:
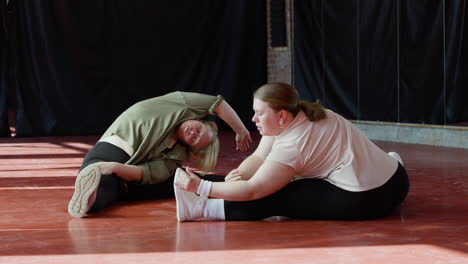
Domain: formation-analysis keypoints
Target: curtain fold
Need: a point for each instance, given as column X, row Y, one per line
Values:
column 422, row 62
column 4, row 127
column 456, row 61
column 378, row 71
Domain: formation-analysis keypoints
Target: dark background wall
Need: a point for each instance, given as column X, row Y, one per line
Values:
column 389, row 60
column 73, row 66
column 70, row 67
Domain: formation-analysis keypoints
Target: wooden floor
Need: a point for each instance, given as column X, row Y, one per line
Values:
column 36, row 183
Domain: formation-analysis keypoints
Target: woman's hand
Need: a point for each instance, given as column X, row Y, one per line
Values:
column 186, row 180
column 243, row 140
column 233, row 175
column 123, row 171
column 106, row 168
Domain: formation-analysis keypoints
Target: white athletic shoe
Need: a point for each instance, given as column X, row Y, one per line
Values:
column 86, row 183
column 189, row 205
column 396, row 156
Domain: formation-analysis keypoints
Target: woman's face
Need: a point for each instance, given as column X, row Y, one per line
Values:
column 195, row 134
column 265, row 118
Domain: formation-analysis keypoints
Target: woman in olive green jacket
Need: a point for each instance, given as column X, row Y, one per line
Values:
column 137, row 155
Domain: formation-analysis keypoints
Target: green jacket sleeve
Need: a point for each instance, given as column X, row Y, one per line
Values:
column 162, row 168
column 158, row 171
column 202, row 103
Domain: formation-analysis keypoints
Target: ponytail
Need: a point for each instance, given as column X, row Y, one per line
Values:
column 314, row 111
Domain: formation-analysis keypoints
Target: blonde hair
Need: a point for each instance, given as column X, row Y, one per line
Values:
column 281, row 96
column 205, row 159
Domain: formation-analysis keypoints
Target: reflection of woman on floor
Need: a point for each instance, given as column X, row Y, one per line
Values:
column 140, row 151
column 311, row 163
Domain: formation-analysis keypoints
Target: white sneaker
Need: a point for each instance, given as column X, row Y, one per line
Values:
column 396, row 156
column 189, row 205
column 86, row 183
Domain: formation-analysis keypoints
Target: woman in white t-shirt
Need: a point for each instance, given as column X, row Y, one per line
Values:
column 311, row 163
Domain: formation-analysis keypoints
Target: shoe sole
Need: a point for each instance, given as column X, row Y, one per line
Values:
column 85, row 184
column 178, row 201
column 178, row 205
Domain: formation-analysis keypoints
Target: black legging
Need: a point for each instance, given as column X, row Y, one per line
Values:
column 320, row 200
column 112, row 189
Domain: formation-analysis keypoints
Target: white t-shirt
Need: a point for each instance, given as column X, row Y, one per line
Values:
column 335, row 150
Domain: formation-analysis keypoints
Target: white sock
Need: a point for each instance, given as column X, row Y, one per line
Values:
column 214, row 209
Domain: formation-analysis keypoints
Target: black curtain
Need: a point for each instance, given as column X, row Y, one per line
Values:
column 389, row 60
column 422, row 62
column 4, row 127
column 81, row 63
column 456, row 35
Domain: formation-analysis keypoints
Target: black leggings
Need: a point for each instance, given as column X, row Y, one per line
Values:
column 320, row 200
column 112, row 189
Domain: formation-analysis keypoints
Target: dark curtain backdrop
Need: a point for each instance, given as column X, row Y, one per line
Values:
column 390, row 60
column 81, row 63
column 4, row 130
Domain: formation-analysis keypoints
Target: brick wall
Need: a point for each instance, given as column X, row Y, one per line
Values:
column 279, row 58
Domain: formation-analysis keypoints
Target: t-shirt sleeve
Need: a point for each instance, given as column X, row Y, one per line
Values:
column 202, row 103
column 287, row 154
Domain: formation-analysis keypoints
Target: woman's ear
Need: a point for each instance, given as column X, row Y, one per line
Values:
column 283, row 114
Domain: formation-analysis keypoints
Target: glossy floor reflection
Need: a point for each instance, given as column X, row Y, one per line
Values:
column 36, row 181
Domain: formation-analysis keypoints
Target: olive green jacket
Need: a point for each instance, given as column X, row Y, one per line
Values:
column 149, row 125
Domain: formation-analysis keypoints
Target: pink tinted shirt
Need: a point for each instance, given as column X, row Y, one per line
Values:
column 334, row 150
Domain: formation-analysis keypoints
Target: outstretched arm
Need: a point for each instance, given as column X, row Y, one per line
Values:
column 269, row 178
column 225, row 112
column 150, row 172
column 260, row 177
column 123, row 171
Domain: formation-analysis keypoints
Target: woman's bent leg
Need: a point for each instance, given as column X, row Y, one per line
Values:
column 109, row 188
